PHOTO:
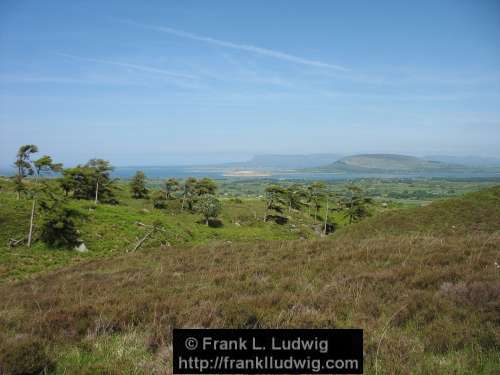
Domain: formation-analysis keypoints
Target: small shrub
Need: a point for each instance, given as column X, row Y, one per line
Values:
column 281, row 220
column 25, row 355
column 138, row 185
column 159, row 200
column 58, row 228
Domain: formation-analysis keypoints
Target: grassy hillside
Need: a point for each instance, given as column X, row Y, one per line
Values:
column 473, row 212
column 426, row 296
column 110, row 230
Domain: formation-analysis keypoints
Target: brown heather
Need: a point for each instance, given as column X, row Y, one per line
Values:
column 422, row 283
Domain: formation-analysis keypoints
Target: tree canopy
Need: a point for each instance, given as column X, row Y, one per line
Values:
column 90, row 181
column 209, row 206
column 138, row 185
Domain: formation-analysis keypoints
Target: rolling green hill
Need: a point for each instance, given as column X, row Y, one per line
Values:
column 426, row 292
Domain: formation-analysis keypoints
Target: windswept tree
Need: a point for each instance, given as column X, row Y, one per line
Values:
column 188, row 192
column 274, row 199
column 24, row 167
column 90, row 181
column 209, row 206
column 102, row 169
column 205, row 186
column 23, row 160
column 294, row 195
column 79, row 181
column 28, row 167
column 171, row 186
column 356, row 204
column 40, row 166
column 45, row 165
column 192, row 189
column 330, row 198
column 316, row 193
column 138, row 185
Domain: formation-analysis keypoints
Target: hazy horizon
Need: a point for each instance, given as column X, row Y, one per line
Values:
column 173, row 161
column 186, row 83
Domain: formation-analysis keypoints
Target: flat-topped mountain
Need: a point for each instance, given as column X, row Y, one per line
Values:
column 388, row 163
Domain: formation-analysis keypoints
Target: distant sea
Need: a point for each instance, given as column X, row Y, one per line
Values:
column 181, row 172
column 220, row 173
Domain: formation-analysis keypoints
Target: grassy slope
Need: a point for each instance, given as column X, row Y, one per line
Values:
column 427, row 295
column 110, row 230
column 476, row 212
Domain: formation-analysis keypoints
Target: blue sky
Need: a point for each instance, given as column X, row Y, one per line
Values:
column 176, row 82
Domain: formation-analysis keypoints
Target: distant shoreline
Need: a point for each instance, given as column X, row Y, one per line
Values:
column 247, row 173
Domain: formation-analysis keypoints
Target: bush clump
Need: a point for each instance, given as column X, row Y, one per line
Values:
column 24, row 354
column 58, row 227
column 159, row 199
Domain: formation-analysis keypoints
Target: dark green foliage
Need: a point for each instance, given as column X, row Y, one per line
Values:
column 188, row 192
column 79, row 181
column 24, row 167
column 171, row 186
column 102, row 180
column 193, row 188
column 209, row 206
column 159, row 199
column 205, row 186
column 46, row 165
column 275, row 199
column 315, row 194
column 90, row 181
column 355, row 204
column 58, row 227
column 294, row 196
column 138, row 185
column 19, row 186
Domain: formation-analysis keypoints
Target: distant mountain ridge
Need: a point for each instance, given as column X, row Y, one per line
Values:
column 277, row 161
column 380, row 163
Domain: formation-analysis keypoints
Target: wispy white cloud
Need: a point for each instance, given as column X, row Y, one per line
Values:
column 242, row 47
column 142, row 68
